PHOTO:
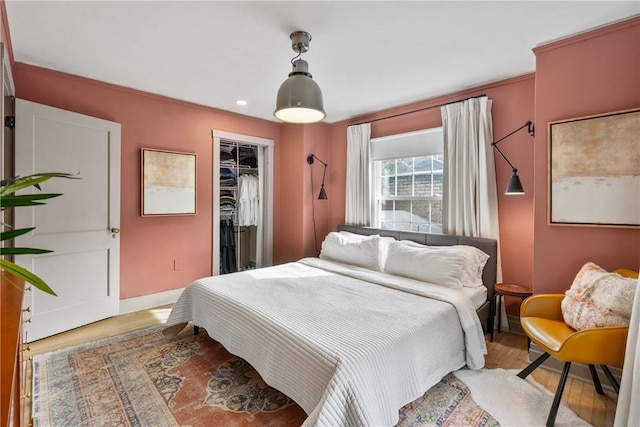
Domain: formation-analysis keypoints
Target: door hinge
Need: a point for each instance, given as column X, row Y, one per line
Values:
column 10, row 121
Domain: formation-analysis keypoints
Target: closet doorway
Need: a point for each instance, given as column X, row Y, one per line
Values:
column 242, row 202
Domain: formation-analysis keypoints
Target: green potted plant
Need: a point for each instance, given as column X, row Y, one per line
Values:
column 8, row 200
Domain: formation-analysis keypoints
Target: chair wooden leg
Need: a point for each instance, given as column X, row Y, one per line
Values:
column 611, row 379
column 533, row 365
column 596, row 380
column 551, row 419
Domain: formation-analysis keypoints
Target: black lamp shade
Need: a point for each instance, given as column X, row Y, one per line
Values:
column 514, row 186
column 323, row 194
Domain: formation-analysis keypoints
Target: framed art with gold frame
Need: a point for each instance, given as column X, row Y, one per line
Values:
column 168, row 182
column 594, row 170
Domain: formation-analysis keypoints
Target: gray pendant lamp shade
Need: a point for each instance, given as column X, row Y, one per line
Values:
column 299, row 98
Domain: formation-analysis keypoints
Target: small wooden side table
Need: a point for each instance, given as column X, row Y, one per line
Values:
column 511, row 290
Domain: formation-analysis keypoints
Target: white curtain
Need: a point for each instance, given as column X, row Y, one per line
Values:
column 470, row 199
column 628, row 414
column 358, row 202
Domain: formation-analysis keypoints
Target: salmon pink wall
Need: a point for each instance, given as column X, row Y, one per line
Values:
column 290, row 156
column 299, row 205
column 150, row 245
column 512, row 107
column 593, row 73
column 337, row 175
column 316, row 212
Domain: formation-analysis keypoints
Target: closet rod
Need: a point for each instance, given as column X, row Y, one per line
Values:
column 418, row 110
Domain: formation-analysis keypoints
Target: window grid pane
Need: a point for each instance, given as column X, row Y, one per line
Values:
column 404, row 185
column 421, row 179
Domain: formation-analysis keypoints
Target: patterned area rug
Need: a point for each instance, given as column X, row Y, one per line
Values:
column 143, row 379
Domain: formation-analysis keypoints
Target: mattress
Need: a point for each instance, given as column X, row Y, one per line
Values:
column 478, row 296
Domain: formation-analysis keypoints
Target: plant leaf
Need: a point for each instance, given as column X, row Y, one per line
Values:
column 8, row 199
column 26, row 275
column 25, row 200
column 23, row 251
column 12, row 234
column 18, row 183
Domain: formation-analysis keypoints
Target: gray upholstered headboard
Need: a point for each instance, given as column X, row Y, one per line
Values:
column 488, row 246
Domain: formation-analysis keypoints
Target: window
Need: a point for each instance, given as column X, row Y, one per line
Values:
column 407, row 178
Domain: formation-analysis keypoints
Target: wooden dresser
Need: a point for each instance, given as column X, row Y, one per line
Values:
column 12, row 373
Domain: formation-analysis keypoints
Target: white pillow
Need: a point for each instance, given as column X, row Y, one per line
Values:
column 354, row 237
column 421, row 263
column 383, row 244
column 475, row 260
column 355, row 251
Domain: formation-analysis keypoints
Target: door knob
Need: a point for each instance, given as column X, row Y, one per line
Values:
column 115, row 230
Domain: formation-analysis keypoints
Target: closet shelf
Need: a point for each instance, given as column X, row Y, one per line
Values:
column 234, row 166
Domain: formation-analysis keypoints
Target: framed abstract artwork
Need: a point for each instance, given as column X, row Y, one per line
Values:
column 168, row 183
column 594, row 170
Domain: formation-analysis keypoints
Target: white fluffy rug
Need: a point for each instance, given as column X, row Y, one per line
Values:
column 513, row 401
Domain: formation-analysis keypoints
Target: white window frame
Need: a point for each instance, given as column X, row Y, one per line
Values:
column 408, row 145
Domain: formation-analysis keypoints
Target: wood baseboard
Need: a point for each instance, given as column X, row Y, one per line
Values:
column 514, row 324
column 145, row 302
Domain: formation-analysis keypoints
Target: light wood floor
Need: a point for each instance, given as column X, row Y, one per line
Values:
column 507, row 351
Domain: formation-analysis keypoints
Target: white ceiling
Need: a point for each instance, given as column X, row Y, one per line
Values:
column 366, row 56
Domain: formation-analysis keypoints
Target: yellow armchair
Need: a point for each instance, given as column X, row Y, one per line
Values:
column 542, row 322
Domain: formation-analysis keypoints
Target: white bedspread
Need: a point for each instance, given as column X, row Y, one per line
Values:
column 349, row 351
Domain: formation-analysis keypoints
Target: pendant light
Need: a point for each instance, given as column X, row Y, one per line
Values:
column 299, row 98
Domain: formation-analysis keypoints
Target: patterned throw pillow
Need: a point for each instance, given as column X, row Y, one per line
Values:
column 598, row 298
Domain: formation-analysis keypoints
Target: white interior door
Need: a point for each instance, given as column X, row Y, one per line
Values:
column 81, row 226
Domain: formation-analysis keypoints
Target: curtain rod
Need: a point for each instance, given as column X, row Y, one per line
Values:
column 415, row 111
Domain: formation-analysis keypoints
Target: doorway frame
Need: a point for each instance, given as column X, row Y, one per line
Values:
column 267, row 203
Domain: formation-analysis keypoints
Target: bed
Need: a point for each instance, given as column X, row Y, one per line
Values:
column 350, row 342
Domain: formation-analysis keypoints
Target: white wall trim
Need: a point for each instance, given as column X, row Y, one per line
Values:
column 145, row 302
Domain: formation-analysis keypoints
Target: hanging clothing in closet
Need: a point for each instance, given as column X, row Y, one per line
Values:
column 228, row 263
column 248, row 202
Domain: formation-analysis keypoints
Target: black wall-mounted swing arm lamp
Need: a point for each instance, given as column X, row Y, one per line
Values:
column 310, row 159
column 514, row 186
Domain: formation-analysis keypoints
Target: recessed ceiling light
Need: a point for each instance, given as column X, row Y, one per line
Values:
column 241, row 102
